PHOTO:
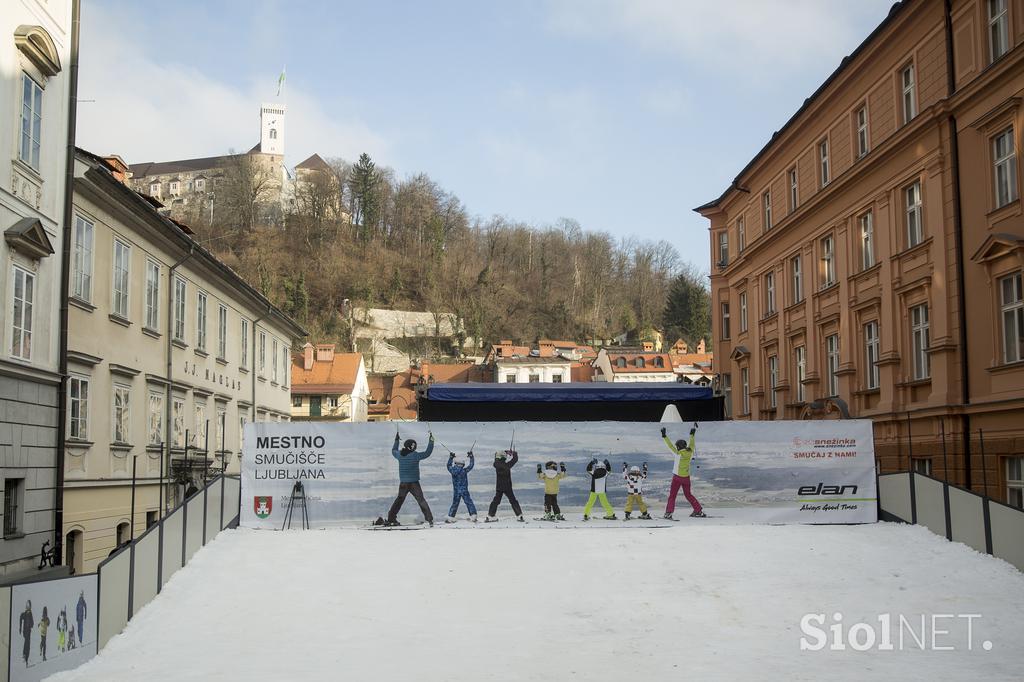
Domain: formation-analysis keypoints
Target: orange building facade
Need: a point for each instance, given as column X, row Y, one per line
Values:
column 869, row 258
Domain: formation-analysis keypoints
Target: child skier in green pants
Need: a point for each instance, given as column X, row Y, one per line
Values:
column 599, row 470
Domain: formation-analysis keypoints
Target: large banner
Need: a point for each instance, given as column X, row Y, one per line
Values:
column 53, row 626
column 746, row 472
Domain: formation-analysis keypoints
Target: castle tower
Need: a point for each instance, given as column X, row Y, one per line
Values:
column 272, row 129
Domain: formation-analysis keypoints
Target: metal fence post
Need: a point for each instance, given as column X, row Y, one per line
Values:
column 945, row 483
column 986, row 514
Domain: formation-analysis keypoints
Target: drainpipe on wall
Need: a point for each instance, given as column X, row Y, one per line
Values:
column 65, row 285
column 255, row 368
column 168, row 425
column 961, row 289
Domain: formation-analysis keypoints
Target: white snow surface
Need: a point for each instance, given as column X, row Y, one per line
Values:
column 606, row 602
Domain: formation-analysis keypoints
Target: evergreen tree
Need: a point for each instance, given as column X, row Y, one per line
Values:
column 688, row 310
column 363, row 185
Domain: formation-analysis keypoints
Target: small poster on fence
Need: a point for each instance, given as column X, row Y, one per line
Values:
column 53, row 626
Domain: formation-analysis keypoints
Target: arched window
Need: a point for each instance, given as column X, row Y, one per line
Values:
column 621, row 362
column 273, row 133
column 122, row 533
column 73, row 551
column 658, row 362
column 639, row 362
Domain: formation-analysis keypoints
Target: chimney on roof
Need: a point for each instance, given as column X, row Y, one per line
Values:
column 307, row 356
column 325, row 352
column 702, row 347
column 118, row 168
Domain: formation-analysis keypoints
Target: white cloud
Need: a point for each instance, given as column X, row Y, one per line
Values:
column 742, row 36
column 145, row 110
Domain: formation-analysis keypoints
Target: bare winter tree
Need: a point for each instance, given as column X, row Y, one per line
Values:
column 243, row 196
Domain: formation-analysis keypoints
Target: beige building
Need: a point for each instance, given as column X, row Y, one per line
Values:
column 868, row 259
column 36, row 67
column 170, row 353
column 329, row 386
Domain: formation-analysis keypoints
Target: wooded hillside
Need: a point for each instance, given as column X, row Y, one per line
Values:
column 358, row 232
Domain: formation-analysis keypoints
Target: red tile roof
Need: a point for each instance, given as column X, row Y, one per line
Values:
column 338, row 376
column 580, row 372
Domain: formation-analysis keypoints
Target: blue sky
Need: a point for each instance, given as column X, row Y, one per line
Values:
column 621, row 114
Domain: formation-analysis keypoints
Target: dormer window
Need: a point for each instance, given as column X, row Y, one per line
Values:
column 154, row 189
column 639, row 363
column 658, row 362
column 620, row 362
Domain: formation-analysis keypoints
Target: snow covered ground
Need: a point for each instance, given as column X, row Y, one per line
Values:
column 605, row 602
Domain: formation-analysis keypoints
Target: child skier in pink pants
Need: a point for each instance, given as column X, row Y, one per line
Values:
column 681, row 474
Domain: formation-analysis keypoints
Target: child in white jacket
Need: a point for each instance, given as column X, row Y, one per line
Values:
column 635, row 478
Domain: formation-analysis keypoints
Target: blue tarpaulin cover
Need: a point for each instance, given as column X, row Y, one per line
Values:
column 570, row 392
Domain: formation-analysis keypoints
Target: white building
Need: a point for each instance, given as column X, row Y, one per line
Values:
column 532, row 369
column 399, row 324
column 35, row 65
column 633, row 365
column 170, row 353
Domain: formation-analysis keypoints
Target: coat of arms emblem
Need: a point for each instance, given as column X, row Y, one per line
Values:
column 262, row 505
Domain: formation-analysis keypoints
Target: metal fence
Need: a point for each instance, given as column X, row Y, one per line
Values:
column 131, row 577
column 956, row 513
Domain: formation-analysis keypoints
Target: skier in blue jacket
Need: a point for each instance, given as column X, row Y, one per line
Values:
column 409, row 477
column 460, row 485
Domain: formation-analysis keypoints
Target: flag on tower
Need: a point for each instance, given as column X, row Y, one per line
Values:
column 280, row 82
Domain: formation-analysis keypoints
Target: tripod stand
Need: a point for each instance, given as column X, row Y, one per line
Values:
column 298, row 495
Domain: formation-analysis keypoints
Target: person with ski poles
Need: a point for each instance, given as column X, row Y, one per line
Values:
column 409, row 477
column 552, row 475
column 503, row 463
column 681, row 473
column 460, row 485
column 599, row 470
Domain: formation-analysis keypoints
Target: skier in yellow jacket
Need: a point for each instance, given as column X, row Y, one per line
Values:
column 681, row 473
column 552, row 476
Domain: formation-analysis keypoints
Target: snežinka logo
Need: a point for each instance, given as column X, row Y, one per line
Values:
column 262, row 505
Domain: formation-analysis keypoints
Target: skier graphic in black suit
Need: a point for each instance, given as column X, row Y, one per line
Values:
column 25, row 623
column 503, row 463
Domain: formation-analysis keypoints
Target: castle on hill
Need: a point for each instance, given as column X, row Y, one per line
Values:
column 188, row 188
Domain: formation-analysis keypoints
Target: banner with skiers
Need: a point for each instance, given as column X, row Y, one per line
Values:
column 388, row 475
column 53, row 626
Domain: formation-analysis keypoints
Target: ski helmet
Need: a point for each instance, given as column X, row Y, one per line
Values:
column 600, row 464
column 459, row 462
column 551, row 465
column 499, row 454
column 409, row 445
column 634, row 469
column 680, row 444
